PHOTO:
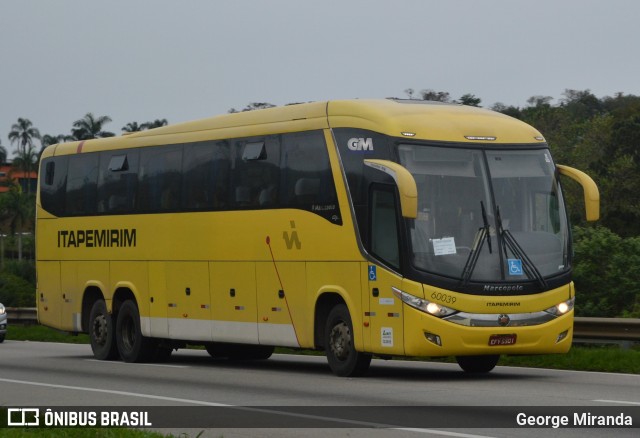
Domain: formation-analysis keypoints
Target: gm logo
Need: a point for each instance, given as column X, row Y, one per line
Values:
column 360, row 144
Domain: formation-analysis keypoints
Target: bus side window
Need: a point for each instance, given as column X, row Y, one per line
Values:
column 117, row 181
column 82, row 180
column 53, row 185
column 384, row 226
column 307, row 180
column 160, row 178
column 257, row 173
column 206, row 172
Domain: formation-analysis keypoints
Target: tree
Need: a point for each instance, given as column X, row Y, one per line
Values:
column 470, row 99
column 437, row 96
column 3, row 154
column 157, row 123
column 23, row 133
column 253, row 106
column 132, row 127
column 48, row 140
column 135, row 127
column 91, row 127
column 409, row 92
column 18, row 209
column 26, row 160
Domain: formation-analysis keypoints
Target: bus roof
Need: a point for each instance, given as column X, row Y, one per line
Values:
column 414, row 119
column 428, row 120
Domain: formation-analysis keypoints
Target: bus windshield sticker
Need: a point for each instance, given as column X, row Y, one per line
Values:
column 444, row 246
column 515, row 266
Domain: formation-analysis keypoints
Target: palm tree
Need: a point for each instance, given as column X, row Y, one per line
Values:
column 18, row 209
column 23, row 133
column 3, row 154
column 49, row 140
column 90, row 127
column 132, row 127
column 26, row 159
column 157, row 123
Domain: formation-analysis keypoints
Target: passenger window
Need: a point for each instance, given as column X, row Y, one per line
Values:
column 307, row 179
column 82, row 184
column 117, row 182
column 160, row 179
column 52, row 191
column 206, row 173
column 257, row 173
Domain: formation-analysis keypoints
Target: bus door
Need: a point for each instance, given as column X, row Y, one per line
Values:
column 385, row 309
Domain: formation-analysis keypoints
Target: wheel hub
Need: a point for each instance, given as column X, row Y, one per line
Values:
column 100, row 329
column 340, row 340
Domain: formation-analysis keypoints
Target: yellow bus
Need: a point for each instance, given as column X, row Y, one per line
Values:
column 357, row 227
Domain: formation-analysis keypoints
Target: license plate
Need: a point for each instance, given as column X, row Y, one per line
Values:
column 497, row 340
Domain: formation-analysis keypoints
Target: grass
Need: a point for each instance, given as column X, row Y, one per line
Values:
column 601, row 358
column 40, row 333
column 70, row 432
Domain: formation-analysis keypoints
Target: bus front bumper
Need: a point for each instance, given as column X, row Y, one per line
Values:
column 429, row 336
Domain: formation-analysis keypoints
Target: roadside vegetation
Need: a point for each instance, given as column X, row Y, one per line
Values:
column 69, row 432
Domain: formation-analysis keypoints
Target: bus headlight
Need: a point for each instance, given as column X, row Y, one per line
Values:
column 561, row 308
column 423, row 305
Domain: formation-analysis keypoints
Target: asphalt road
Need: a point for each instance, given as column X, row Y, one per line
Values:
column 291, row 395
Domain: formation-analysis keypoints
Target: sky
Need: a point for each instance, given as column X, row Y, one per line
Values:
column 141, row 60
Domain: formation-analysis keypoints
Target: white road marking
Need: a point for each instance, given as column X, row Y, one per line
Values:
column 620, row 402
column 140, row 364
column 244, row 408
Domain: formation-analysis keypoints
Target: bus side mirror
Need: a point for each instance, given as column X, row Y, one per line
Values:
column 405, row 182
column 591, row 193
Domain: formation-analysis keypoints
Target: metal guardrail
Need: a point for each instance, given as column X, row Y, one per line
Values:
column 584, row 330
column 605, row 329
column 22, row 315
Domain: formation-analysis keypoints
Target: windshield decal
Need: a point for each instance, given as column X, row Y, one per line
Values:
column 444, row 246
column 515, row 266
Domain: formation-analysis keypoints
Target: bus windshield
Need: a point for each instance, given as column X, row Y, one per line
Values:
column 487, row 215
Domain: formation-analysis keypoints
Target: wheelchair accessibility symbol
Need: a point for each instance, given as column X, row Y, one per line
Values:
column 373, row 275
column 515, row 266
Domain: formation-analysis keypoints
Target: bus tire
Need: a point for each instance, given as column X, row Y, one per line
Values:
column 344, row 360
column 102, row 332
column 132, row 346
column 478, row 364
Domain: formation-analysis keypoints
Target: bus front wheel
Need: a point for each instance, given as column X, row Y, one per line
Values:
column 344, row 360
column 101, row 332
column 478, row 364
column 133, row 347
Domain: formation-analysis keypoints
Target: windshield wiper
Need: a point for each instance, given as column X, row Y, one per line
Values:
column 485, row 222
column 509, row 242
column 482, row 234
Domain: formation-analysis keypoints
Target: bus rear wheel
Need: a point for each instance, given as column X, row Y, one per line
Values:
column 101, row 332
column 133, row 347
column 478, row 364
column 344, row 360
